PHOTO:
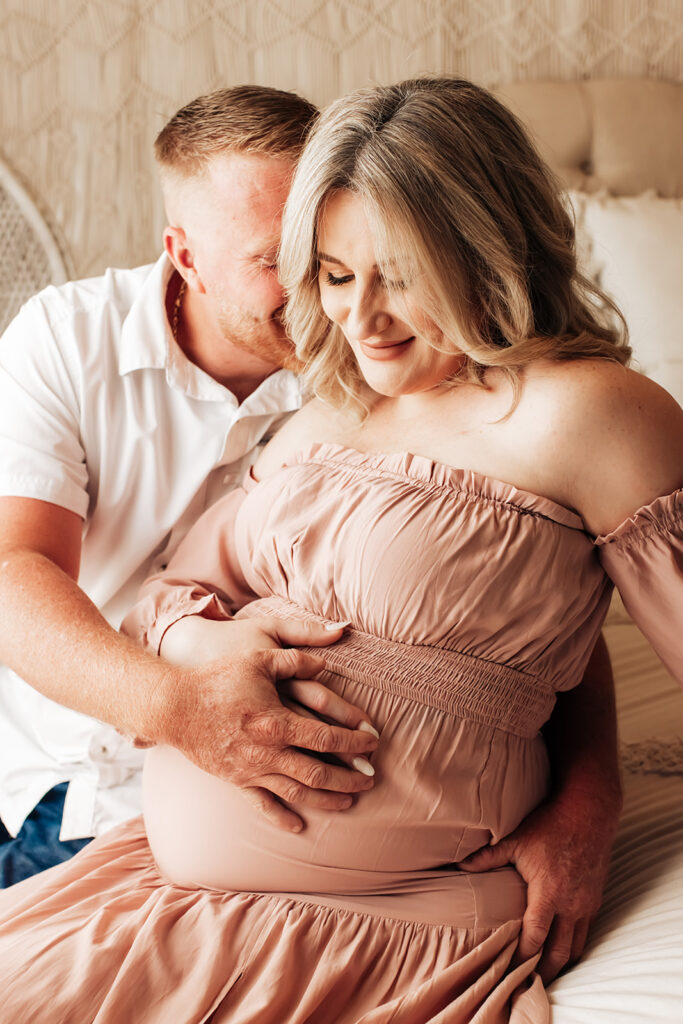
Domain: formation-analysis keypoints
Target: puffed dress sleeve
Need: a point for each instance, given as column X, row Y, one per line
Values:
column 203, row 577
column 644, row 558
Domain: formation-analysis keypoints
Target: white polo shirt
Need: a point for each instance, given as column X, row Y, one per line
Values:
column 102, row 413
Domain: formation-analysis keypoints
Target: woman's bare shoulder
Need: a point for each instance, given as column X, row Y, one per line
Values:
column 619, row 436
column 612, row 403
column 311, row 423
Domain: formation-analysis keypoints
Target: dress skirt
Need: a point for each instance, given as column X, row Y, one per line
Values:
column 106, row 939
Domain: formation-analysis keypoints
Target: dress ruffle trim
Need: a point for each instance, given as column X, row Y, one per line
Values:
column 438, row 475
column 663, row 515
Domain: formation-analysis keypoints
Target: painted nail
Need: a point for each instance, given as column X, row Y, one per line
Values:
column 366, row 727
column 336, row 625
column 361, row 765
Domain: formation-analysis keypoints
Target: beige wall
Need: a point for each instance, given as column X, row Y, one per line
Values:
column 86, row 84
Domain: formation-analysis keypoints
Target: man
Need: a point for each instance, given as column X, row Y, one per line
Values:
column 128, row 405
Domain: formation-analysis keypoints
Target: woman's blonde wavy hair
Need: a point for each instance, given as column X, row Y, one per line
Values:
column 460, row 204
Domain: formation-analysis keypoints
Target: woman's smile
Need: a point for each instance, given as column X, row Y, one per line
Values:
column 378, row 315
column 382, row 351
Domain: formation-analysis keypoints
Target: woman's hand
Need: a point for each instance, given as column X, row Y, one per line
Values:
column 194, row 640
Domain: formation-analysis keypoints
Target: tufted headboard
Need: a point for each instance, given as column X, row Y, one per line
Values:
column 617, row 147
column 624, row 135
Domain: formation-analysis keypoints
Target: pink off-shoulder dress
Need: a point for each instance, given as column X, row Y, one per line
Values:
column 472, row 604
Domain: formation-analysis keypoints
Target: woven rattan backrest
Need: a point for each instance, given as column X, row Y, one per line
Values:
column 29, row 256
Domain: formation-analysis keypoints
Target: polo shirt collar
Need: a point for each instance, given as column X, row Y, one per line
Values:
column 148, row 344
column 145, row 334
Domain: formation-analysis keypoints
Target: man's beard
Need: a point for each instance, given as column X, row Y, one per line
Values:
column 265, row 339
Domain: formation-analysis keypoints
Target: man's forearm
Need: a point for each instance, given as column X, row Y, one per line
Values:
column 55, row 638
column 226, row 716
column 582, row 738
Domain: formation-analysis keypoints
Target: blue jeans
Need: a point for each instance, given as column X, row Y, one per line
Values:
column 38, row 845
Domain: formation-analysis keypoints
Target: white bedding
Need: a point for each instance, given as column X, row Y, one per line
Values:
column 632, row 971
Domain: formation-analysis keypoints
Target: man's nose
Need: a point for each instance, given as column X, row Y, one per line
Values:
column 278, row 301
column 279, row 289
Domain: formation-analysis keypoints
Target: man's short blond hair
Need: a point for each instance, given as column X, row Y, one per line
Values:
column 244, row 119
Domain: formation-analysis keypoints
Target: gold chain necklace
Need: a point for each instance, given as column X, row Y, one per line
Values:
column 175, row 319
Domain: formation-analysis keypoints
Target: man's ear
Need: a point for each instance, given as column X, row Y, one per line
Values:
column 180, row 253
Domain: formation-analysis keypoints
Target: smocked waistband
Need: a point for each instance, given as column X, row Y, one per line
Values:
column 458, row 684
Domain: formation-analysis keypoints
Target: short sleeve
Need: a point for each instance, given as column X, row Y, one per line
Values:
column 204, row 578
column 644, row 558
column 41, row 455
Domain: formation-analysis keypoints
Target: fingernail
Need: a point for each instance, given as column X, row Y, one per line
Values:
column 329, row 626
column 366, row 727
column 362, row 765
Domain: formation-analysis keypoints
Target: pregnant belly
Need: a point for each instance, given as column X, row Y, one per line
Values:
column 442, row 789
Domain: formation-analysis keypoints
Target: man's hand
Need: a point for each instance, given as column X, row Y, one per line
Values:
column 228, row 716
column 562, row 852
column 562, row 848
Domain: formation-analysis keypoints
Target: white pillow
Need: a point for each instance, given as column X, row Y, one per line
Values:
column 577, row 203
column 633, row 247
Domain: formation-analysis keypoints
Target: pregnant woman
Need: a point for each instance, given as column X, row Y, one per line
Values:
column 476, row 471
